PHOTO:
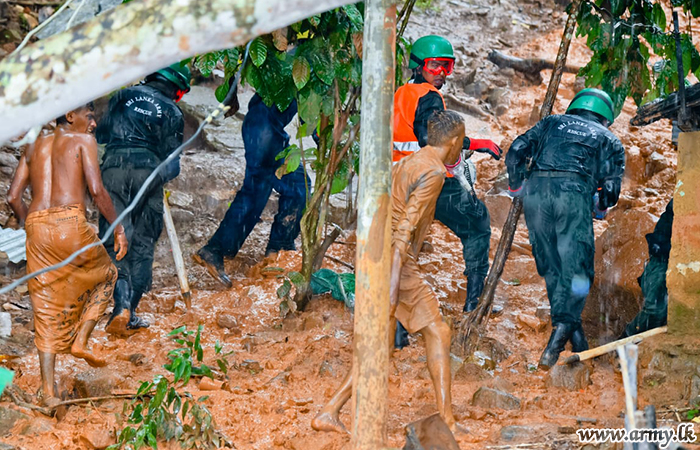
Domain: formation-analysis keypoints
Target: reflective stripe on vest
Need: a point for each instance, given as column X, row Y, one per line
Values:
column 406, row 101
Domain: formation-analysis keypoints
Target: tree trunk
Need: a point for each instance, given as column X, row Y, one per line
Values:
column 67, row 70
column 370, row 370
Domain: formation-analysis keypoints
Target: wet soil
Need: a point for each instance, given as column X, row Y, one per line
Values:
column 283, row 370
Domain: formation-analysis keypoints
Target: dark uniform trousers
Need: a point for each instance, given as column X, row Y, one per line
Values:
column 557, row 209
column 123, row 174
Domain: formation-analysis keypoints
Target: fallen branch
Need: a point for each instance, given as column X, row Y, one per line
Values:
column 603, row 349
column 530, row 67
column 462, row 106
column 32, row 3
column 341, row 262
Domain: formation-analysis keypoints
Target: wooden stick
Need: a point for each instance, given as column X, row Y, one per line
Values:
column 341, row 262
column 177, row 252
column 603, row 349
column 530, row 66
column 628, row 366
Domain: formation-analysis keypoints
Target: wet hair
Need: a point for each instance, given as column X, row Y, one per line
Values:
column 444, row 125
column 64, row 120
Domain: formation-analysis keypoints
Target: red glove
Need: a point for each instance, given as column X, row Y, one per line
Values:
column 485, row 146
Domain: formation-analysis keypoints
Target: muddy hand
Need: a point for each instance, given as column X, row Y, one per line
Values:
column 121, row 244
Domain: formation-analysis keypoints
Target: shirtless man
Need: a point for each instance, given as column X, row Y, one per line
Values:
column 416, row 184
column 67, row 302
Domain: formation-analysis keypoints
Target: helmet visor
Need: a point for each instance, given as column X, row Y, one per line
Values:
column 436, row 66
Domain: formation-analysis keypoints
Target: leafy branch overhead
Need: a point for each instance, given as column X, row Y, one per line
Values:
column 626, row 37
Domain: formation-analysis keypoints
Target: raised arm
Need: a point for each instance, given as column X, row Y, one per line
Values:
column 93, row 178
column 17, row 188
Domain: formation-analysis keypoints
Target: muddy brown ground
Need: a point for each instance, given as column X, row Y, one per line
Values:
column 298, row 362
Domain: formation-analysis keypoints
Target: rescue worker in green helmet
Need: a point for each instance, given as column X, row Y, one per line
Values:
column 141, row 127
column 432, row 61
column 568, row 168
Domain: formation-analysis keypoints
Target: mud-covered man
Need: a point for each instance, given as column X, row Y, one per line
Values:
column 69, row 301
column 573, row 165
column 417, row 181
column 141, row 127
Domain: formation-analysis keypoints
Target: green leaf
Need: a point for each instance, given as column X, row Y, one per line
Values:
column 322, row 65
column 659, row 16
column 296, row 278
column 284, row 290
column 217, row 347
column 258, row 51
column 222, row 91
column 223, row 367
column 309, row 105
column 315, row 20
column 355, row 16
column 301, row 72
column 293, row 161
column 178, row 330
column 207, row 63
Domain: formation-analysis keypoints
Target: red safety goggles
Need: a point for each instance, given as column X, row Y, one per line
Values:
column 179, row 94
column 436, row 66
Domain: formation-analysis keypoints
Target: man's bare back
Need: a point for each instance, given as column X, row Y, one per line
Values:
column 55, row 164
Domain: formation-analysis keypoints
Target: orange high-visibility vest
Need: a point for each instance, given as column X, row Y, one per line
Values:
column 406, row 101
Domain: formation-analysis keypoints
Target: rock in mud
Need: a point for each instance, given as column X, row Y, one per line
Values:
column 431, row 433
column 227, row 321
column 470, row 371
column 137, row 359
column 37, row 425
column 8, row 418
column 532, row 322
column 488, row 398
column 326, row 369
column 97, row 439
column 251, row 366
column 207, row 384
column 573, row 377
column 96, row 382
column 526, row 433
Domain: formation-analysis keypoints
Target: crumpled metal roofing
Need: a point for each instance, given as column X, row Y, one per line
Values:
column 13, row 243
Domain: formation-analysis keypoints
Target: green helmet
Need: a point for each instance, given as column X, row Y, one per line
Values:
column 430, row 47
column 594, row 100
column 178, row 74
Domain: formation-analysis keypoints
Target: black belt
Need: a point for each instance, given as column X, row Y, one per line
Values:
column 555, row 174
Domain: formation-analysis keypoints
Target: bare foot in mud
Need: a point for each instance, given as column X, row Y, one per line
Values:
column 326, row 421
column 81, row 352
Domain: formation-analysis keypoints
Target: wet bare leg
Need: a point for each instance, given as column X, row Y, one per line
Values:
column 328, row 418
column 47, row 363
column 437, row 347
column 79, row 349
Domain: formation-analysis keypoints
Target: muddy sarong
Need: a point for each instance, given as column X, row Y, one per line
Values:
column 65, row 298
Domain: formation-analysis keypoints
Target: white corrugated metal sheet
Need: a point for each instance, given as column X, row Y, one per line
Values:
column 13, row 243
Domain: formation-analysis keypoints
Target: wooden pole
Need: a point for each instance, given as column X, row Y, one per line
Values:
column 480, row 315
column 177, row 252
column 373, row 261
column 628, row 367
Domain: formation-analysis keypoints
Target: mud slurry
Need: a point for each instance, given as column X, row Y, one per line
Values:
column 283, row 371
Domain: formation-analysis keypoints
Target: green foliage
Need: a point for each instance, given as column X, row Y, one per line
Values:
column 160, row 412
column 693, row 413
column 624, row 36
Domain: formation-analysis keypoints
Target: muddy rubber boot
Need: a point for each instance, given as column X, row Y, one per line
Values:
column 475, row 284
column 400, row 337
column 557, row 340
column 214, row 263
column 136, row 322
column 578, row 340
column 118, row 320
